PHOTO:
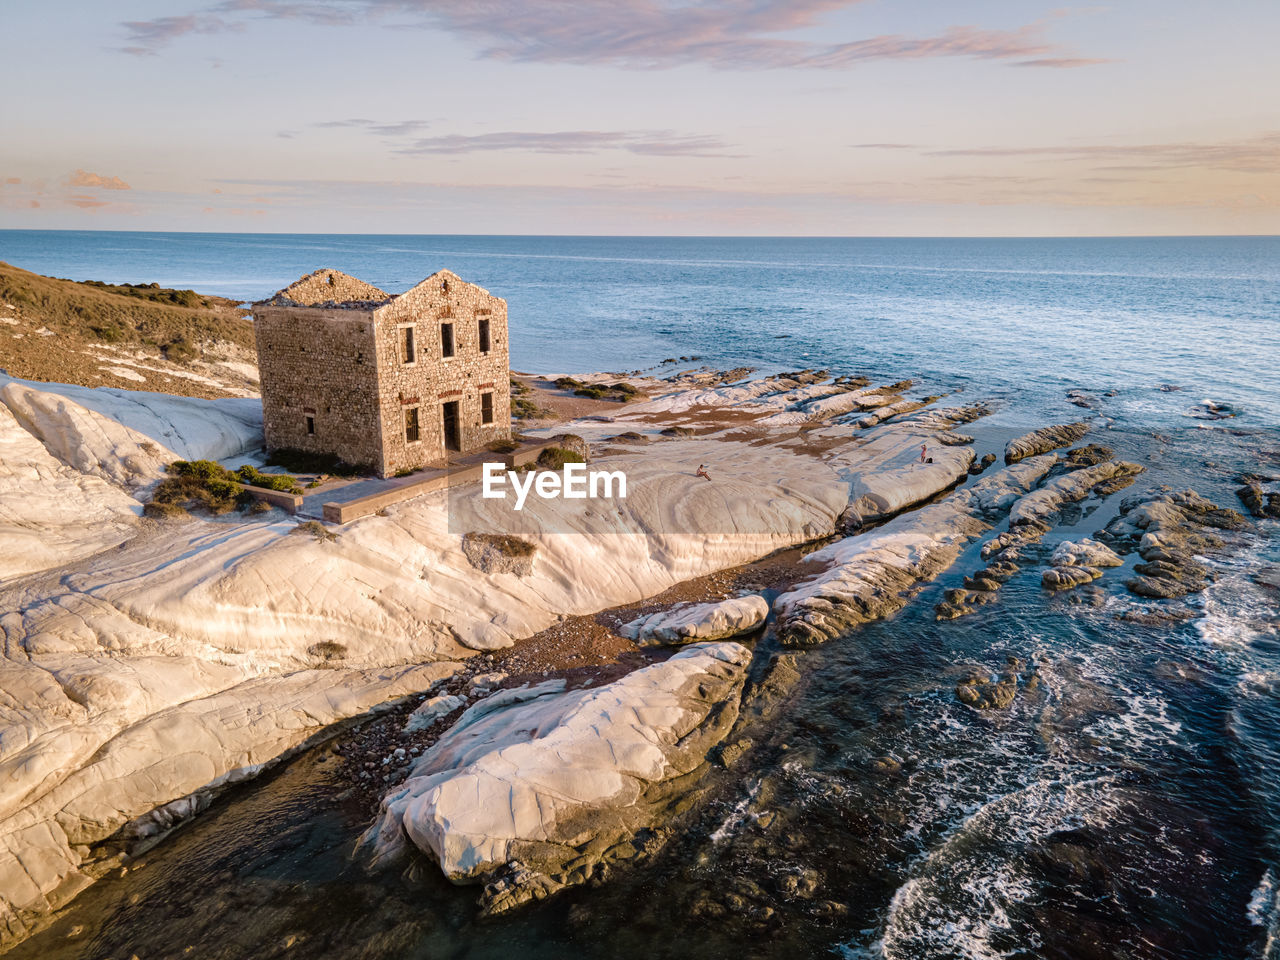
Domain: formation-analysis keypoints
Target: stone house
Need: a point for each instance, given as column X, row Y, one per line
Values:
column 387, row 382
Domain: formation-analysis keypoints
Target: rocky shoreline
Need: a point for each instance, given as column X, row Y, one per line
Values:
column 585, row 695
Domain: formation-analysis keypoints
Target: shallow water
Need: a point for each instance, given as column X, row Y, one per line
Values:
column 1127, row 807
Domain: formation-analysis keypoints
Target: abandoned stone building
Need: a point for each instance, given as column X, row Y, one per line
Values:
column 386, row 382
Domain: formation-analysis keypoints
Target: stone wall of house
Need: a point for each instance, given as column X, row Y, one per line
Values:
column 320, row 363
column 433, row 380
column 331, row 288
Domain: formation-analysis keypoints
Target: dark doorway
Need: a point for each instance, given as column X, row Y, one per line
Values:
column 452, row 438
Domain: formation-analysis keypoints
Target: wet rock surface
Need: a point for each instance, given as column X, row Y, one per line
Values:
column 1077, row 563
column 1064, row 578
column 1044, row 440
column 1168, row 531
column 1030, row 518
column 1258, row 502
column 984, row 690
column 870, row 576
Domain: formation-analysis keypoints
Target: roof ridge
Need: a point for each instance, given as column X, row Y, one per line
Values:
column 327, row 286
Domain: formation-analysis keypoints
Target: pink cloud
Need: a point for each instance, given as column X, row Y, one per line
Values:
column 653, row 143
column 643, row 34
column 1260, row 154
column 82, row 178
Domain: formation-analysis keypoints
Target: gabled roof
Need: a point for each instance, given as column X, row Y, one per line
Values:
column 438, row 278
column 328, row 288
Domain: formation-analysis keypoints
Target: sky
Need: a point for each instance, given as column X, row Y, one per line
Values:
column 667, row 117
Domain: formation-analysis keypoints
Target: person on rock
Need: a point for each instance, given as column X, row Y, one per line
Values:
column 924, row 448
column 702, row 472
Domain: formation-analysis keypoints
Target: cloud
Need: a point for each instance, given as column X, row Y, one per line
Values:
column 884, row 146
column 660, row 143
column 1063, row 63
column 396, row 128
column 82, row 178
column 13, row 180
column 653, row 143
column 1260, row 154
column 145, row 36
column 86, row 202
column 640, row 34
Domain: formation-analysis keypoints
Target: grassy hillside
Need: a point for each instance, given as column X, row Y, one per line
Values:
column 138, row 336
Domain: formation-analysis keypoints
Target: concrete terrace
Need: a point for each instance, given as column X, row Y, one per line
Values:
column 343, row 500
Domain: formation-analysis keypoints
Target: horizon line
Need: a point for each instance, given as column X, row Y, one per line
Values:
column 671, row 236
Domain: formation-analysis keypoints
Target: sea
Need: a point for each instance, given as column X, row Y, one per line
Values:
column 1130, row 808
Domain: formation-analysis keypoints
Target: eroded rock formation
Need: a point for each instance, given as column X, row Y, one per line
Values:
column 1168, row 531
column 533, row 792
column 702, row 621
column 1044, row 440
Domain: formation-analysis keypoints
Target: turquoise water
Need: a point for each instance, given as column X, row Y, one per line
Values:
column 1130, row 809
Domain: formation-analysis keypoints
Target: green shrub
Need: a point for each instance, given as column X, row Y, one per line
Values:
column 180, row 350
column 504, row 446
column 107, row 332
column 268, row 481
column 199, row 469
column 202, row 485
column 619, row 392
column 163, row 511
column 522, row 408
column 554, row 458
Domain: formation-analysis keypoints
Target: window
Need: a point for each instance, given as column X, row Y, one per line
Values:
column 486, row 407
column 446, row 339
column 311, row 425
column 484, row 334
column 411, row 434
column 408, row 351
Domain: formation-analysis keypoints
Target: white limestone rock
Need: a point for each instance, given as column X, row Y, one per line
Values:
column 193, row 428
column 103, row 764
column 686, row 623
column 52, row 514
column 86, row 440
column 540, row 778
column 431, row 710
column 484, row 682
column 868, row 576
